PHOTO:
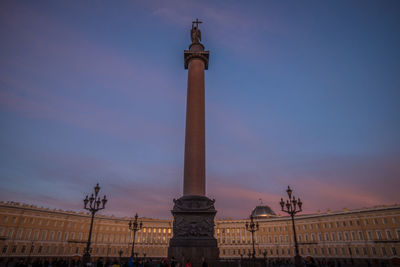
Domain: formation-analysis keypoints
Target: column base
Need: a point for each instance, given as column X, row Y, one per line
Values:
column 193, row 230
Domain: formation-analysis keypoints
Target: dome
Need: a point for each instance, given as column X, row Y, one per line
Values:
column 263, row 211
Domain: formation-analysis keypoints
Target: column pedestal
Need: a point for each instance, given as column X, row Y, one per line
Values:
column 193, row 230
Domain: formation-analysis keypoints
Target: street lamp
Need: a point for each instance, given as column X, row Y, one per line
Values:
column 252, row 228
column 350, row 253
column 31, row 250
column 120, row 255
column 134, row 227
column 265, row 253
column 93, row 204
column 293, row 206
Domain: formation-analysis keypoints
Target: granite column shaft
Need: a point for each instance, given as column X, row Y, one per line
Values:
column 194, row 166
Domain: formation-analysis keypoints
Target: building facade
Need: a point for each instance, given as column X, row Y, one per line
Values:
column 365, row 234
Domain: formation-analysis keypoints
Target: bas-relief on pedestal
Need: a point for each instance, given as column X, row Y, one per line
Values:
column 193, row 229
column 194, row 213
column 194, row 217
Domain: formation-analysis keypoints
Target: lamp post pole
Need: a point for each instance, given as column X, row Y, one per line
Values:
column 252, row 228
column 293, row 206
column 265, row 256
column 108, row 250
column 350, row 253
column 134, row 226
column 93, row 204
column 120, row 255
column 31, row 250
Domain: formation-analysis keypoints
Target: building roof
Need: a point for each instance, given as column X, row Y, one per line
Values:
column 263, row 211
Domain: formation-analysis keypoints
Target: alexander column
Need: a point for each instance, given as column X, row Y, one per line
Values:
column 194, row 213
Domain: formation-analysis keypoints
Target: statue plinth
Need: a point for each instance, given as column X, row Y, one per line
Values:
column 193, row 229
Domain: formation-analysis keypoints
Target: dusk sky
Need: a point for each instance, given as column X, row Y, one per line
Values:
column 299, row 93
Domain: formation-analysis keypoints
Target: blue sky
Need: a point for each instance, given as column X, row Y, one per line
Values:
column 299, row 93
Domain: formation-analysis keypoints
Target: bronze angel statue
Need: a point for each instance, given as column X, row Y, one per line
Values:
column 195, row 33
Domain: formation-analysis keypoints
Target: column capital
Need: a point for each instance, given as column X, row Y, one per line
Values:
column 203, row 55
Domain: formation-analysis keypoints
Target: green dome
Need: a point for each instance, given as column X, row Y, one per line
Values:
column 263, row 211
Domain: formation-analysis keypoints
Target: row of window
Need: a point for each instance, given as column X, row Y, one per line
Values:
column 56, row 223
column 339, row 236
column 30, row 220
column 332, row 236
column 46, row 235
column 311, row 226
column 141, row 237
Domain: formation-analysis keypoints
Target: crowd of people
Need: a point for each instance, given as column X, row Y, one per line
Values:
column 165, row 262
column 138, row 262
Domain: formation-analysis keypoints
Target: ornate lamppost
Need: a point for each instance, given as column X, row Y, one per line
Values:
column 93, row 204
column 293, row 206
column 252, row 228
column 120, row 255
column 351, row 254
column 265, row 253
column 134, row 227
column 31, row 250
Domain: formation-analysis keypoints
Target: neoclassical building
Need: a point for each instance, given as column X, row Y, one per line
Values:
column 370, row 233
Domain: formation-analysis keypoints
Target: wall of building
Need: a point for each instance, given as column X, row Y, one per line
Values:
column 359, row 234
column 29, row 231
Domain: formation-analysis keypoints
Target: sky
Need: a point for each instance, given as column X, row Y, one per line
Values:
column 299, row 93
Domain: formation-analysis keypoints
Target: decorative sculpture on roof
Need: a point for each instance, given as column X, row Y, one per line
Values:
column 195, row 33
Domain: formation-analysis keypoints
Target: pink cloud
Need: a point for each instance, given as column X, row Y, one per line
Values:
column 322, row 195
column 13, row 102
column 84, row 58
column 234, row 198
column 79, row 114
